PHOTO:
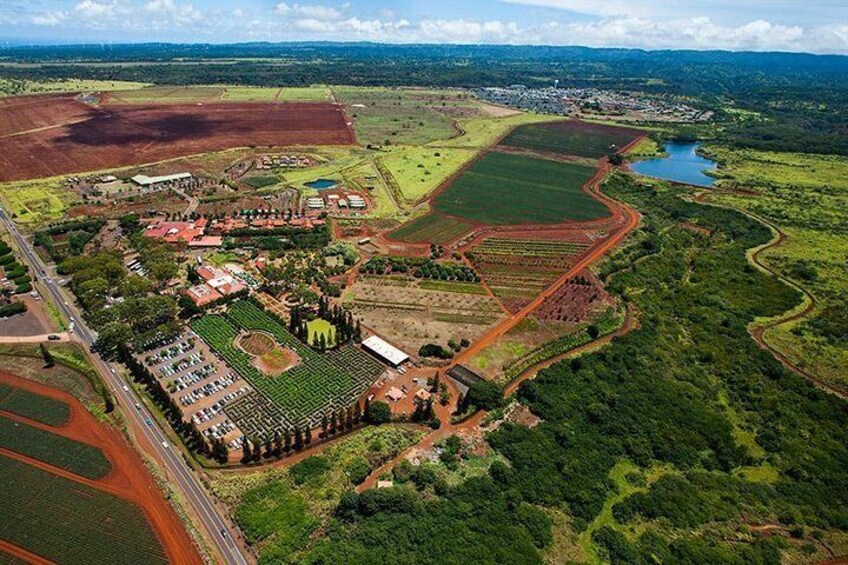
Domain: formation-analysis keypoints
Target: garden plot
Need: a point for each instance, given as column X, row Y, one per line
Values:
column 416, row 312
column 519, row 269
column 199, row 383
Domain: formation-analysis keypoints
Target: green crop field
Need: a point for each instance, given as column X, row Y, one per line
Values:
column 74, row 456
column 33, row 406
column 261, row 181
column 68, row 522
column 505, row 189
column 570, row 138
column 167, row 95
column 431, row 228
column 302, row 393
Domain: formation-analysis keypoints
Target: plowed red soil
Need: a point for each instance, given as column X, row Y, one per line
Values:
column 128, row 478
column 55, row 135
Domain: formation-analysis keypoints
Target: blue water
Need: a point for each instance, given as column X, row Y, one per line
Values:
column 322, row 184
column 683, row 164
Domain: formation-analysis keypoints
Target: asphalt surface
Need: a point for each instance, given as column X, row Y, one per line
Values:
column 177, row 470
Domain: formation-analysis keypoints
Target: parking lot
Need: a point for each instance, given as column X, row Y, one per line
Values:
column 200, row 383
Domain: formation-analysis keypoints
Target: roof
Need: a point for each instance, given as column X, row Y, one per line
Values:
column 145, row 180
column 394, row 393
column 385, row 350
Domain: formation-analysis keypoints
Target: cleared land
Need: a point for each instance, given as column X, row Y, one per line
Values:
column 69, row 522
column 506, row 189
column 60, row 135
column 414, row 312
column 56, row 450
column 572, row 137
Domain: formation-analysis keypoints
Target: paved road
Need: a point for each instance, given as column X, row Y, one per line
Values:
column 177, row 470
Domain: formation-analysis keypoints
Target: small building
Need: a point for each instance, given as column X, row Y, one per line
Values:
column 423, row 395
column 394, row 394
column 385, row 351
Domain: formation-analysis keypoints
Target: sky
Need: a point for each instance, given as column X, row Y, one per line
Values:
column 816, row 26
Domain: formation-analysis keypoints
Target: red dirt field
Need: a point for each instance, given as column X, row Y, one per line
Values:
column 128, row 478
column 58, row 135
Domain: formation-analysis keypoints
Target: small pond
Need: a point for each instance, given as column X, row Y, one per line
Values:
column 682, row 164
column 322, row 184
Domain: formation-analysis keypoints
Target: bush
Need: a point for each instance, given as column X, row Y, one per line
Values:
column 12, row 309
column 434, row 350
column 485, row 395
column 23, row 289
column 358, row 470
column 377, row 413
column 310, row 469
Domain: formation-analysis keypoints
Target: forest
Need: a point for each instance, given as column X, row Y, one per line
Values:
column 720, row 436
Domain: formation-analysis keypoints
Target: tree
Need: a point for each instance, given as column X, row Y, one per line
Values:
column 278, row 444
column 377, row 413
column 269, row 447
column 245, row 452
column 298, row 438
column 324, row 426
column 287, row 439
column 308, row 438
column 257, row 450
column 48, row 357
column 484, row 394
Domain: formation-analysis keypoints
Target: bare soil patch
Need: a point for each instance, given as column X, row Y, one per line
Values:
column 268, row 357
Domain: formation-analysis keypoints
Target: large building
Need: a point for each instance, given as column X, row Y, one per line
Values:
column 144, row 180
column 385, row 351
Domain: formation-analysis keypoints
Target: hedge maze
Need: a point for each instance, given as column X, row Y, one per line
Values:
column 300, row 395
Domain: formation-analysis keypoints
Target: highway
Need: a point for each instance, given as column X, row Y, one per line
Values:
column 177, row 470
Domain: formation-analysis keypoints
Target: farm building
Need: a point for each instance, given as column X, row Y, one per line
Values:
column 385, row 351
column 144, row 180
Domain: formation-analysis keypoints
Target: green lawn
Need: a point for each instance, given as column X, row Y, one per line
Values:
column 505, row 189
column 33, row 406
column 79, row 458
column 68, row 522
column 318, row 327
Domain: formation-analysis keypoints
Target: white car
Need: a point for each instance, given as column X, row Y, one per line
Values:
column 165, row 444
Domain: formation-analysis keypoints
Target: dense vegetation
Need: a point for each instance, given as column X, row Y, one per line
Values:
column 689, row 395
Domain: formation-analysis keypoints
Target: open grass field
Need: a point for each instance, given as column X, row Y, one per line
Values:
column 56, row 450
column 60, row 135
column 25, row 87
column 806, row 196
column 507, row 189
column 319, row 327
column 216, row 93
column 571, row 137
column 418, row 171
column 33, row 406
column 431, row 228
column 68, row 522
column 36, row 201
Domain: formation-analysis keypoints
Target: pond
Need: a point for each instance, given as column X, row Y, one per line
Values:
column 683, row 165
column 322, row 184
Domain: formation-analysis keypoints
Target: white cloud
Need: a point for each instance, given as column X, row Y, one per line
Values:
column 48, row 19
column 310, row 12
column 91, row 9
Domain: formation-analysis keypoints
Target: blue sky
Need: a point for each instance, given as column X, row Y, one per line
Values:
column 819, row 26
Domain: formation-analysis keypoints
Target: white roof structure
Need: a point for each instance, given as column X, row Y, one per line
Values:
column 144, row 180
column 385, row 350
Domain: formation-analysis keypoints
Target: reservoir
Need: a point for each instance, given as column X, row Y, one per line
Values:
column 322, row 184
column 682, row 164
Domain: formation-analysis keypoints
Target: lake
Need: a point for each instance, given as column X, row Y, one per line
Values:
column 322, row 184
column 683, row 165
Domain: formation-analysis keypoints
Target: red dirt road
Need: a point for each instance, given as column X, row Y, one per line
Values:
column 56, row 135
column 128, row 479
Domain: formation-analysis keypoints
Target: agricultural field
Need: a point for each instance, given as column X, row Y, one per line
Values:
column 12, row 87
column 388, row 116
column 33, row 406
column 571, row 137
column 519, row 269
column 506, row 189
column 56, row 450
column 806, row 197
column 68, row 522
column 75, row 138
column 32, row 202
column 189, row 94
column 431, row 228
column 279, row 508
column 300, row 395
column 415, row 312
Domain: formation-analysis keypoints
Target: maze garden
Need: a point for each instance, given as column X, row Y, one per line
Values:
column 299, row 396
column 518, row 269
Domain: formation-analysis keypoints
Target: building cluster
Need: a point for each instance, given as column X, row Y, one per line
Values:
column 217, row 283
column 337, row 201
column 572, row 101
